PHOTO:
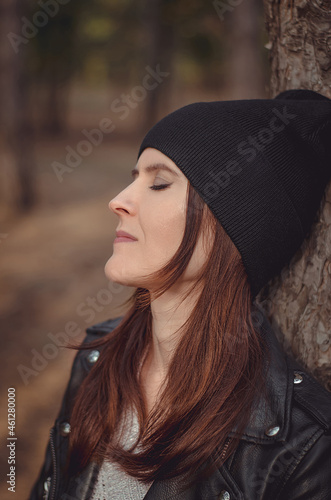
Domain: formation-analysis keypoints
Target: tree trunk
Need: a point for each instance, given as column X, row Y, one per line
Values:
column 159, row 50
column 298, row 302
column 16, row 135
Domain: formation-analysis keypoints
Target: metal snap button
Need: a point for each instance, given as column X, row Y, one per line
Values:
column 272, row 431
column 65, row 429
column 47, row 484
column 224, row 495
column 93, row 356
column 297, row 378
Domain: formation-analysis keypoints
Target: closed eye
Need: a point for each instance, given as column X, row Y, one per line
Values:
column 158, row 187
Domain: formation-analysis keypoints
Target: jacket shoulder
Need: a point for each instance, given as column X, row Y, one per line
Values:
column 84, row 361
column 311, row 396
column 101, row 329
column 309, row 444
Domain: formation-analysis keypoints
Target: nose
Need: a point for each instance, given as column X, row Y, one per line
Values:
column 122, row 204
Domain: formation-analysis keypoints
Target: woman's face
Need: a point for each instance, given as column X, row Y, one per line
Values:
column 152, row 209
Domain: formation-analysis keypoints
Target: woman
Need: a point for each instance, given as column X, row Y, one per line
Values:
column 189, row 396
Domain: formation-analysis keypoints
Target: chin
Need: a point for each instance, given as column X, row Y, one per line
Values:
column 117, row 269
column 114, row 272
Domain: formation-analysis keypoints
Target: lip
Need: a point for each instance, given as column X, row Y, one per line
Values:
column 123, row 236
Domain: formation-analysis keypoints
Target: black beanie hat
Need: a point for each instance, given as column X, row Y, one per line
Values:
column 261, row 166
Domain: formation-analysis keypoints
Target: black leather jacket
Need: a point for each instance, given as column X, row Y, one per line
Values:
column 284, row 454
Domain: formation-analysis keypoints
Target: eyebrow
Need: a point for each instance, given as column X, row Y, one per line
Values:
column 153, row 168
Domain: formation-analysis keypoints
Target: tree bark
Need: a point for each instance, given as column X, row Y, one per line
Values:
column 298, row 302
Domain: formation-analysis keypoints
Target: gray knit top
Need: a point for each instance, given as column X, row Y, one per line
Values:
column 112, row 482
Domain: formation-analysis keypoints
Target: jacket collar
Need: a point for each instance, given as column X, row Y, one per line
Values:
column 270, row 418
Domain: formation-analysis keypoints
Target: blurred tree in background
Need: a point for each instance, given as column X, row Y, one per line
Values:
column 52, row 65
column 16, row 142
column 59, row 46
column 111, row 42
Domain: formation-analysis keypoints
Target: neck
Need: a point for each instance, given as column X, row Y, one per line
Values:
column 169, row 313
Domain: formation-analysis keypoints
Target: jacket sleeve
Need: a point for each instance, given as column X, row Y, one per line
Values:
column 312, row 477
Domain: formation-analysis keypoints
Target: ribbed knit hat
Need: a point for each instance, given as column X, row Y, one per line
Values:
column 261, row 165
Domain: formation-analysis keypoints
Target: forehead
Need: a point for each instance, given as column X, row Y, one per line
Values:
column 151, row 157
column 153, row 168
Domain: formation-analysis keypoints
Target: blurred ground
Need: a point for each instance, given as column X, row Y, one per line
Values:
column 51, row 261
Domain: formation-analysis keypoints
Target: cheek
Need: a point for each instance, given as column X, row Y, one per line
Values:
column 165, row 230
column 199, row 257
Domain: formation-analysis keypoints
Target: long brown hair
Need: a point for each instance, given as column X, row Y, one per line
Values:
column 213, row 375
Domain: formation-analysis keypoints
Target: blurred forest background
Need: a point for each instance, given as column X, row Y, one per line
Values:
column 81, row 81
